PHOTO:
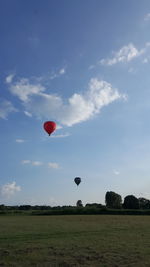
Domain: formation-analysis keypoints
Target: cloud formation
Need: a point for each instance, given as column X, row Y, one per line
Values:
column 60, row 135
column 26, row 161
column 62, row 71
column 125, row 54
column 9, row 189
column 53, row 165
column 77, row 108
column 116, row 172
column 20, row 140
column 37, row 163
column 9, row 78
column 24, row 89
column 27, row 113
column 6, row 107
column 33, row 163
column 57, row 74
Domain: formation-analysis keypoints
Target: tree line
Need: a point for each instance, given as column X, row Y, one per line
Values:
column 113, row 205
column 114, row 201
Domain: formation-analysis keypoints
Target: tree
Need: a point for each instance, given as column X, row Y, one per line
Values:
column 131, row 202
column 113, row 200
column 2, row 207
column 79, row 203
column 144, row 203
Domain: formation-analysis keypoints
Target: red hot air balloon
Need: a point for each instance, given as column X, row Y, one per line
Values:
column 49, row 126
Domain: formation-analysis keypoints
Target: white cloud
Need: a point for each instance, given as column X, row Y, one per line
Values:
column 147, row 17
column 9, row 189
column 27, row 113
column 91, row 67
column 9, row 78
column 53, row 76
column 23, row 89
column 6, row 107
column 125, row 54
column 116, row 172
column 26, row 161
column 44, row 105
column 59, row 127
column 62, row 71
column 132, row 70
column 57, row 74
column 60, row 135
column 145, row 60
column 33, row 163
column 53, row 165
column 37, row 163
column 78, row 108
column 20, row 140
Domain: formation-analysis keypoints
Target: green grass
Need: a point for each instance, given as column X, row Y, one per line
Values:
column 81, row 240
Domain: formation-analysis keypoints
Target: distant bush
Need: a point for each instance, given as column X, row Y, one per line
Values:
column 94, row 205
column 72, row 210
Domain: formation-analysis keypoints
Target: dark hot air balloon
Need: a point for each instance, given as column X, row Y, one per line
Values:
column 77, row 180
column 49, row 126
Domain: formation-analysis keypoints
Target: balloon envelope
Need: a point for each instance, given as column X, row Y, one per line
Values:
column 49, row 126
column 77, row 180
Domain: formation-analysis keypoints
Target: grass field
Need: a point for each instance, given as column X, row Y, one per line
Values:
column 80, row 240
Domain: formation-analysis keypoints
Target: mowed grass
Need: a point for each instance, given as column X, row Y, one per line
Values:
column 79, row 240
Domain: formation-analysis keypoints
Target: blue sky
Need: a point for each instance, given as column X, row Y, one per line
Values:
column 85, row 65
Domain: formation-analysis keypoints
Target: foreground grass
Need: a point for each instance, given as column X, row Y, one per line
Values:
column 81, row 240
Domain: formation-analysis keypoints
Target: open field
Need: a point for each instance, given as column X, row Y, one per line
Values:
column 80, row 240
